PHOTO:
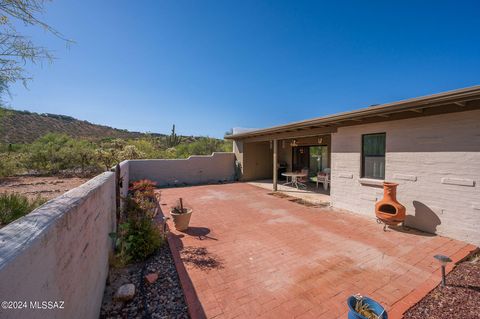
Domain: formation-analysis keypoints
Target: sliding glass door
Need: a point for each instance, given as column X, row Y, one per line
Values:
column 313, row 158
column 318, row 159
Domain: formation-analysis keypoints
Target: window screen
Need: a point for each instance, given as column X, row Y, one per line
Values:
column 373, row 156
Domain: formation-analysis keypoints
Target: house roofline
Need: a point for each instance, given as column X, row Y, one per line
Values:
column 448, row 97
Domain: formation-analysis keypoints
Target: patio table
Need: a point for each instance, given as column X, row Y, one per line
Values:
column 294, row 176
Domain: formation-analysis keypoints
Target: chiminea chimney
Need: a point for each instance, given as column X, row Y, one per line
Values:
column 388, row 210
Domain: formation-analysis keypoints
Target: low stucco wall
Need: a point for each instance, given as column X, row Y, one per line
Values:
column 60, row 252
column 435, row 160
column 198, row 169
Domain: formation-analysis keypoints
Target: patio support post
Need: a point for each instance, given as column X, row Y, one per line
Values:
column 275, row 170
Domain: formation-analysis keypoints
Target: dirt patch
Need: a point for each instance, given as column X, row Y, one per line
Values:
column 297, row 200
column 459, row 299
column 33, row 186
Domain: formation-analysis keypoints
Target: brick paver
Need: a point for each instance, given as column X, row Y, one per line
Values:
column 248, row 254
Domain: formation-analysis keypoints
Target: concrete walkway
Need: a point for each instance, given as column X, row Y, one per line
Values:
column 249, row 254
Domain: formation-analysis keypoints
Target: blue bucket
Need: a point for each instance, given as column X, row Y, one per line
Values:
column 375, row 306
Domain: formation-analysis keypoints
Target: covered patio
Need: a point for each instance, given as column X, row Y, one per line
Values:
column 250, row 254
column 297, row 159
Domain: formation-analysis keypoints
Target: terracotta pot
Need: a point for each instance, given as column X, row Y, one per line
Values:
column 181, row 221
column 388, row 209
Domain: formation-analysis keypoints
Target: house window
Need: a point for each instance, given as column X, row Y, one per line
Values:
column 373, row 156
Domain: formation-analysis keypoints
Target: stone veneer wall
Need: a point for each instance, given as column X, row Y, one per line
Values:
column 436, row 161
column 59, row 252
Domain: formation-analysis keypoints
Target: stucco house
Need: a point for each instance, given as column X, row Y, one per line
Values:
column 429, row 145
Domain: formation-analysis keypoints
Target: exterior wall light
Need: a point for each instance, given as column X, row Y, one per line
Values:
column 444, row 260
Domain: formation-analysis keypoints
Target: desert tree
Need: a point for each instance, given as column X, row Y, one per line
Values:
column 17, row 49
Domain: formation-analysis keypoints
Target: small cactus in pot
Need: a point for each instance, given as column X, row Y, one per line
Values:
column 181, row 215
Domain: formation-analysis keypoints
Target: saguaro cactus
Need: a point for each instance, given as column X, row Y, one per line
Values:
column 173, row 140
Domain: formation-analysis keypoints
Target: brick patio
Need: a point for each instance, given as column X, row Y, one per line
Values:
column 249, row 254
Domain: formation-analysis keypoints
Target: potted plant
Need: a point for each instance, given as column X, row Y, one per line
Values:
column 180, row 215
column 365, row 308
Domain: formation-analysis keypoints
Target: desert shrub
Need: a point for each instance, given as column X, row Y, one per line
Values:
column 14, row 206
column 130, row 152
column 143, row 195
column 114, row 151
column 203, row 146
column 108, row 152
column 143, row 186
column 140, row 239
column 147, row 147
column 54, row 153
column 137, row 237
column 10, row 164
column 50, row 153
column 82, row 156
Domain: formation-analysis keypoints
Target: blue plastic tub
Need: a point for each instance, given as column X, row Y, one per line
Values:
column 375, row 306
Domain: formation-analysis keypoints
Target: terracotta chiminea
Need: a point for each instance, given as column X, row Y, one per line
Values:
column 388, row 209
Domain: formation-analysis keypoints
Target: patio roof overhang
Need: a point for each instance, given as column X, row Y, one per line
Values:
column 446, row 102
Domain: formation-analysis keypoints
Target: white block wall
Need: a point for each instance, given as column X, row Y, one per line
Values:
column 59, row 252
column 436, row 161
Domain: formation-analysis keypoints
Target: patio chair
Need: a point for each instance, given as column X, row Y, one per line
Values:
column 324, row 178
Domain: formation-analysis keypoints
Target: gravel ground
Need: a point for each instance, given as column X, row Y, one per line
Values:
column 459, row 299
column 164, row 298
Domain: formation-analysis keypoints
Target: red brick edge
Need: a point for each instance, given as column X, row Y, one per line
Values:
column 402, row 305
column 195, row 308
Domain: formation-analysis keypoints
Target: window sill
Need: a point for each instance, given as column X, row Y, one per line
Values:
column 371, row 181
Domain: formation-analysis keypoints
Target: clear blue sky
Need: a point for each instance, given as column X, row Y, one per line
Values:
column 208, row 66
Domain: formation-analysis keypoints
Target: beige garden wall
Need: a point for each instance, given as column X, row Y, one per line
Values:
column 197, row 169
column 436, row 161
column 60, row 252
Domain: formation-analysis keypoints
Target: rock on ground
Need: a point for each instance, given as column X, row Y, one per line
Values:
column 162, row 299
column 125, row 292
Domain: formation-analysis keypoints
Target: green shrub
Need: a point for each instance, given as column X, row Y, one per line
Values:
column 10, row 164
column 203, row 146
column 50, row 153
column 14, row 206
column 54, row 153
column 141, row 239
column 137, row 236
